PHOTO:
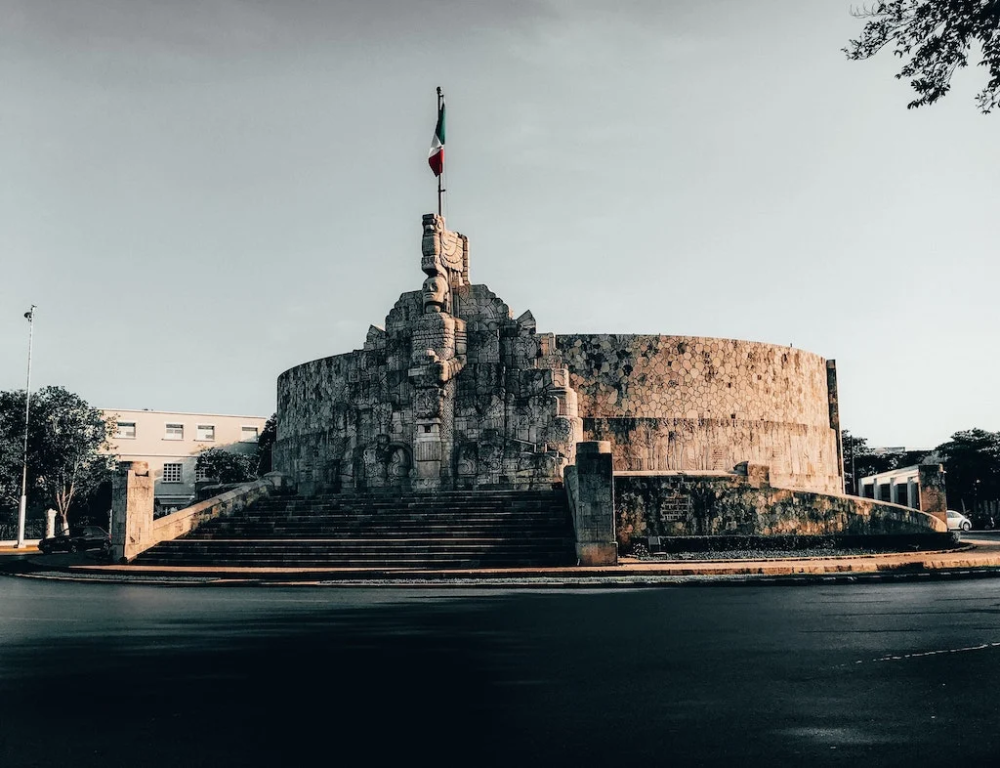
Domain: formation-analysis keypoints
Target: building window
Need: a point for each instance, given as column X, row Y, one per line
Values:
column 206, row 432
column 172, row 473
column 200, row 475
column 126, row 430
column 248, row 435
column 174, row 432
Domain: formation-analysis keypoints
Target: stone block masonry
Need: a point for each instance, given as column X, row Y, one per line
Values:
column 693, row 404
column 591, row 487
column 131, row 510
column 746, row 506
column 454, row 392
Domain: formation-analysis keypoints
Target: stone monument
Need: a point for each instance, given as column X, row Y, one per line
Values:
column 453, row 392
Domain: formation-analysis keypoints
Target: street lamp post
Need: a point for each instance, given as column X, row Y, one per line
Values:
column 23, row 506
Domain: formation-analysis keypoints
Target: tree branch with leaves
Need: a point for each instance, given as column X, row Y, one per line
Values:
column 934, row 38
column 68, row 440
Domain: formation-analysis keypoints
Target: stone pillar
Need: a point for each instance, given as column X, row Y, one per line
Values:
column 131, row 510
column 932, row 491
column 833, row 399
column 594, row 516
column 50, row 523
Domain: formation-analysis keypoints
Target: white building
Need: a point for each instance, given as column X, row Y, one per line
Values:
column 897, row 486
column 170, row 442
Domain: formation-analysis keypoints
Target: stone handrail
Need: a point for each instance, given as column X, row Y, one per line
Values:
column 186, row 520
column 133, row 528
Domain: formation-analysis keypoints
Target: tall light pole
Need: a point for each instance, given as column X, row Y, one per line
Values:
column 23, row 506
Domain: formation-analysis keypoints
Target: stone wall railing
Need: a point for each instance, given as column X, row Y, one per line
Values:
column 723, row 504
column 134, row 530
column 186, row 520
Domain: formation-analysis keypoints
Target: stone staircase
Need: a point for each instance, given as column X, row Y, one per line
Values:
column 408, row 531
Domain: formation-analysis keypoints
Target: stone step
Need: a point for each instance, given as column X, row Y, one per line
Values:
column 474, row 494
column 539, row 506
column 321, row 559
column 369, row 564
column 321, row 531
column 336, row 545
column 354, row 523
column 436, row 498
column 457, row 529
column 394, row 494
column 422, row 512
column 321, row 554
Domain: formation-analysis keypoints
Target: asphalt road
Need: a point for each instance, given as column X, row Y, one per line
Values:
column 872, row 675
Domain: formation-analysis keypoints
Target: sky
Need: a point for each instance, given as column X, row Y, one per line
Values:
column 201, row 194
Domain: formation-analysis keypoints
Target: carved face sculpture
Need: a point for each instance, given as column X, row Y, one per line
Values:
column 435, row 294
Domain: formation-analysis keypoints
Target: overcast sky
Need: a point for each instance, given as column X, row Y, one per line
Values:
column 200, row 194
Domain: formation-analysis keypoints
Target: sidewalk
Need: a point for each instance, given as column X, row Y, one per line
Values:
column 976, row 558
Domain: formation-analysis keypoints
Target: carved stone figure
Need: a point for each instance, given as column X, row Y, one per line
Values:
column 399, row 463
column 444, row 252
column 451, row 392
column 435, row 294
column 466, row 464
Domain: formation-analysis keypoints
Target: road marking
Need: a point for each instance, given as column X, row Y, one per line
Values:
column 924, row 654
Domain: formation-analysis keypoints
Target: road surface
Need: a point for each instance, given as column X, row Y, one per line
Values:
column 869, row 674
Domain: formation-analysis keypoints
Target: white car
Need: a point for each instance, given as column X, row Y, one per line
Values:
column 958, row 522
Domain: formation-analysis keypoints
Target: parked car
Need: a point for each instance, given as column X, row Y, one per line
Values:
column 958, row 522
column 86, row 538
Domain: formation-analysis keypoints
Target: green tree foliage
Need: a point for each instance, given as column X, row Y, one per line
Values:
column 65, row 438
column 972, row 460
column 861, row 460
column 223, row 466
column 265, row 445
column 934, row 38
column 855, row 450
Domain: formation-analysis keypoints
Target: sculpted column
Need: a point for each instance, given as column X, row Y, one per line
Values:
column 438, row 352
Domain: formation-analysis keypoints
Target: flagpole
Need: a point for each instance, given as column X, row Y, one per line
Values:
column 23, row 505
column 440, row 175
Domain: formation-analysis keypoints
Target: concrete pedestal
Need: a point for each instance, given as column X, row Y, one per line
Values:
column 131, row 510
column 594, row 512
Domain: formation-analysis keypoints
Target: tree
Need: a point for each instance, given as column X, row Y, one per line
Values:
column 861, row 460
column 226, row 467
column 265, row 445
column 66, row 437
column 972, row 463
column 934, row 38
column 856, row 452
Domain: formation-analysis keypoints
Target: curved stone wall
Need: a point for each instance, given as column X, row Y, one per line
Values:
column 454, row 392
column 681, row 403
column 689, row 505
column 462, row 399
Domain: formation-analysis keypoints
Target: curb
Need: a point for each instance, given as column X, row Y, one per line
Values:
column 749, row 574
column 971, row 559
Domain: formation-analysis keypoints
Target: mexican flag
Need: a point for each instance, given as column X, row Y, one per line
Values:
column 435, row 157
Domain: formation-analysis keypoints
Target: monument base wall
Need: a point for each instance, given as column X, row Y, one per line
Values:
column 725, row 504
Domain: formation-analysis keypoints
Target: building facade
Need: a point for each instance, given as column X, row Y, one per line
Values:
column 170, row 442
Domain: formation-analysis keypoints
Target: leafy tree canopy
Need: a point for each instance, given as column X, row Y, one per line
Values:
column 861, row 460
column 66, row 436
column 265, row 445
column 972, row 461
column 227, row 467
column 934, row 38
